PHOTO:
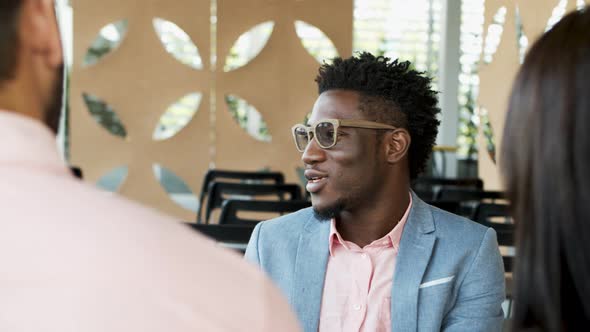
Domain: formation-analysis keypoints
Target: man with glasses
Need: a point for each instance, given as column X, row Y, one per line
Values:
column 73, row 258
column 370, row 255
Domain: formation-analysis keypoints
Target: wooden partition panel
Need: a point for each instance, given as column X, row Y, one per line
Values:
column 140, row 79
column 279, row 82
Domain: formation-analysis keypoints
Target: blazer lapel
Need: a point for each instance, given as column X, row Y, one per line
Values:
column 310, row 272
column 415, row 249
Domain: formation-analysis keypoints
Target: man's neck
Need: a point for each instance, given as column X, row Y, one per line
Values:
column 367, row 224
column 16, row 96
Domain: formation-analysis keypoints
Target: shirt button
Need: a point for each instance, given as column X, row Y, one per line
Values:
column 364, row 255
column 357, row 307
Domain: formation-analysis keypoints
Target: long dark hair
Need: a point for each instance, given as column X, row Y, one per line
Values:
column 546, row 166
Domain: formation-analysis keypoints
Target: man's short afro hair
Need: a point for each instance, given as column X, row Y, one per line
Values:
column 390, row 92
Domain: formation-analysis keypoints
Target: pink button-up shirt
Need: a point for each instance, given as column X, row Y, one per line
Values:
column 74, row 258
column 357, row 288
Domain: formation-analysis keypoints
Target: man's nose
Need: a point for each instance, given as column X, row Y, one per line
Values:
column 313, row 153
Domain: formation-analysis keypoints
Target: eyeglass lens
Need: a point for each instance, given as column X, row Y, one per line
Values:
column 325, row 135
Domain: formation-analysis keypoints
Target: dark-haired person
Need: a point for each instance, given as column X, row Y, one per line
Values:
column 370, row 255
column 73, row 258
column 545, row 162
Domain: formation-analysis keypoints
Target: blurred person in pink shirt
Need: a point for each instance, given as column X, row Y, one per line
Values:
column 78, row 259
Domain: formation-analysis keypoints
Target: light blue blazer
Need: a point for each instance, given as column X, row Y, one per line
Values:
column 449, row 274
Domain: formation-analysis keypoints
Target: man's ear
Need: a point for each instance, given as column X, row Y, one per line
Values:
column 39, row 32
column 397, row 144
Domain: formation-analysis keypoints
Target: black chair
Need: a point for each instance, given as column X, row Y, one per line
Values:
column 232, row 207
column 240, row 176
column 505, row 235
column 231, row 236
column 468, row 198
column 485, row 211
column 449, row 206
column 504, row 230
column 219, row 192
column 468, row 194
column 427, row 188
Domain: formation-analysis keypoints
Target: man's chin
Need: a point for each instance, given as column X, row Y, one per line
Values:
column 329, row 212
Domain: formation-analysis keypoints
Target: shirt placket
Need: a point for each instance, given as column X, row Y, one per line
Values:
column 363, row 274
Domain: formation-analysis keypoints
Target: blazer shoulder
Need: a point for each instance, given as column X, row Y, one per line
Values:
column 287, row 225
column 453, row 225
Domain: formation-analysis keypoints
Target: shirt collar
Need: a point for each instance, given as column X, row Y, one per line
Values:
column 391, row 239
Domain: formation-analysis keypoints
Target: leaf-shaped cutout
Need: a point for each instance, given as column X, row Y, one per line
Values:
column 488, row 134
column 178, row 191
column 248, row 118
column 556, row 14
column 113, row 179
column 521, row 39
column 494, row 35
column 104, row 115
column 177, row 116
column 178, row 43
column 248, row 46
column 108, row 39
column 315, row 42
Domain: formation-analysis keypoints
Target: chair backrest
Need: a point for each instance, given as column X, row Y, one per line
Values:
column 230, row 211
column 504, row 230
column 232, row 236
column 219, row 192
column 468, row 194
column 449, row 206
column 243, row 176
column 468, row 198
column 486, row 211
column 427, row 187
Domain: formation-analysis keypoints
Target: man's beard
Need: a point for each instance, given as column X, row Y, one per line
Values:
column 329, row 212
column 52, row 113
